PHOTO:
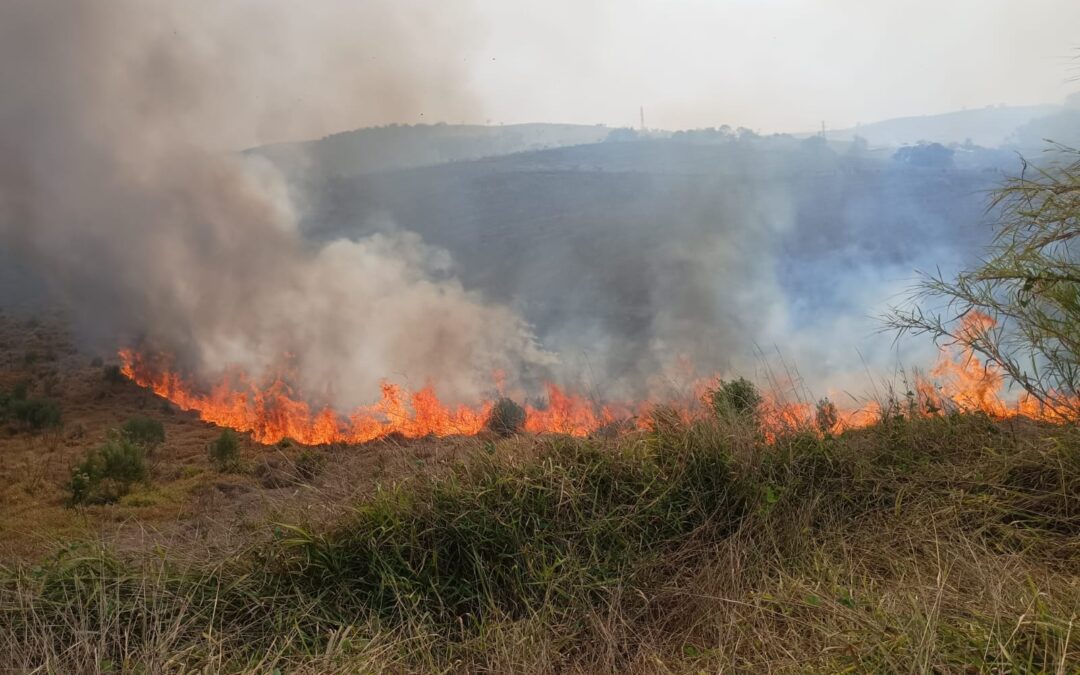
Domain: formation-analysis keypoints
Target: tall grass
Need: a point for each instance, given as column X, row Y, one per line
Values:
column 917, row 545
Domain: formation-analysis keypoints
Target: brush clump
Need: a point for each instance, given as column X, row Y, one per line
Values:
column 108, row 472
column 507, row 418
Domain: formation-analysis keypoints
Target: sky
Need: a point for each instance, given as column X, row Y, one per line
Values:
column 774, row 65
column 285, row 70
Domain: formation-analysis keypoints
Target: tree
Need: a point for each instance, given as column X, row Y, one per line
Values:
column 926, row 155
column 1026, row 292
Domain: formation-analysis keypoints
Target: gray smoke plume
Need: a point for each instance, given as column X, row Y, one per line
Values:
column 119, row 185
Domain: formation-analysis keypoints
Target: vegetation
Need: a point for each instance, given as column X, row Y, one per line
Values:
column 144, row 431
column 921, row 544
column 738, row 398
column 107, row 473
column 826, row 416
column 225, row 451
column 507, row 418
column 33, row 413
column 1028, row 287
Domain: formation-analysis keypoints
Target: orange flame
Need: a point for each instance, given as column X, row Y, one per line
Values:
column 961, row 382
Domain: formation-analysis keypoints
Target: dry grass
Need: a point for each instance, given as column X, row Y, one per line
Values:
column 944, row 545
column 927, row 545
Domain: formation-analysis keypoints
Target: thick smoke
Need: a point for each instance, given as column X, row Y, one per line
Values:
column 119, row 185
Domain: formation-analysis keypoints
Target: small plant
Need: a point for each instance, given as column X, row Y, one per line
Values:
column 507, row 418
column 107, row 473
column 826, row 416
column 738, row 398
column 144, row 431
column 225, row 451
column 112, row 374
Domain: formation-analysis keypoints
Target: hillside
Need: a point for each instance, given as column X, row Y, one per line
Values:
column 631, row 243
column 989, row 127
column 387, row 148
column 930, row 543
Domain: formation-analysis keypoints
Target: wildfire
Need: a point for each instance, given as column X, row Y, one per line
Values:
column 273, row 411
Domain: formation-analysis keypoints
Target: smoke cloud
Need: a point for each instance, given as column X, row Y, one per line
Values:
column 119, row 185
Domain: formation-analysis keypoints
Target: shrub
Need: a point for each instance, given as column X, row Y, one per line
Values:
column 738, row 398
column 225, row 451
column 107, row 473
column 507, row 418
column 144, row 431
column 826, row 416
column 36, row 413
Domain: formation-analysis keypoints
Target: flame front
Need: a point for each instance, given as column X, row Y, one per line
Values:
column 959, row 382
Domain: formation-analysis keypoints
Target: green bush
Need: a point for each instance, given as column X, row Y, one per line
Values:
column 739, row 398
column 144, row 431
column 225, row 451
column 107, row 473
column 507, row 418
column 36, row 413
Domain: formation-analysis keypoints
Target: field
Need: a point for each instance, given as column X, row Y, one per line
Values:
column 926, row 544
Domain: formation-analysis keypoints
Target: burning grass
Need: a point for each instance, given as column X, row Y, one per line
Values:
column 273, row 411
column 919, row 544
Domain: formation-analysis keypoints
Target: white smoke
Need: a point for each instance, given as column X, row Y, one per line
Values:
column 117, row 182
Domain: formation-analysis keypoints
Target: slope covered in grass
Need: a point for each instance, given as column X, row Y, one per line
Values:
column 940, row 544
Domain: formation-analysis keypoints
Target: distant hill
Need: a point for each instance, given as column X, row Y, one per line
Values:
column 395, row 147
column 622, row 250
column 988, row 127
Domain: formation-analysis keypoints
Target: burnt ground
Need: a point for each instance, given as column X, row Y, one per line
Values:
column 187, row 503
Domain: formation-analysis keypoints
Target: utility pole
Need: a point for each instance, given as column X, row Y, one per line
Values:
column 643, row 118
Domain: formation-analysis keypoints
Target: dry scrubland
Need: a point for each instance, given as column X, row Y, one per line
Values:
column 947, row 544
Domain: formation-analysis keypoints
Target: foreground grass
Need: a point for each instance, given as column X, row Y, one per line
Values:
column 947, row 544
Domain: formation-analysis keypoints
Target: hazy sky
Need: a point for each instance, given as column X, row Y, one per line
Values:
column 769, row 64
column 294, row 70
